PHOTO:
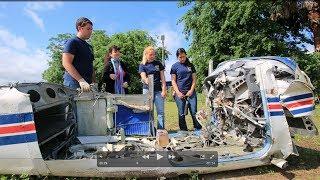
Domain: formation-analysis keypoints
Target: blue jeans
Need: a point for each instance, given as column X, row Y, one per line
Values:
column 181, row 103
column 70, row 82
column 159, row 102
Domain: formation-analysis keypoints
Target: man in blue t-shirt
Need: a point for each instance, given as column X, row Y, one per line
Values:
column 77, row 58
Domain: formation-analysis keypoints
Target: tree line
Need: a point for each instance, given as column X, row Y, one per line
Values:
column 132, row 44
column 224, row 30
column 218, row 31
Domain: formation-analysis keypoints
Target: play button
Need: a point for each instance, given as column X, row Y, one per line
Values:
column 159, row 156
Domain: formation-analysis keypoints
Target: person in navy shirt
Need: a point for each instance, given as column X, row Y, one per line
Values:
column 183, row 78
column 149, row 66
column 77, row 58
column 115, row 75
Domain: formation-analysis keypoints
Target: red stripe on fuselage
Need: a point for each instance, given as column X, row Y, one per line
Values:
column 16, row 129
column 300, row 103
column 275, row 106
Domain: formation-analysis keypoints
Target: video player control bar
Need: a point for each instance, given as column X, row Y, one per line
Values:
column 158, row 159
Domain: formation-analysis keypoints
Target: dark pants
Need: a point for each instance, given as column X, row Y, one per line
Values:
column 181, row 103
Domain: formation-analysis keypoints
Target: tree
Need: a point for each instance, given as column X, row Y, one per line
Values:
column 224, row 30
column 55, row 71
column 99, row 41
column 299, row 15
column 132, row 44
column 310, row 64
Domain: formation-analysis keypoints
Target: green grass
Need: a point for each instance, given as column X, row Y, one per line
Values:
column 315, row 140
column 308, row 147
column 20, row 177
column 171, row 114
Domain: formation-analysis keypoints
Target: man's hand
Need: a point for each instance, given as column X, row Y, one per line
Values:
column 112, row 76
column 85, row 87
column 125, row 85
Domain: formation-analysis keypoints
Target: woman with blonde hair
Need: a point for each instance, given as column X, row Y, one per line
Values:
column 149, row 65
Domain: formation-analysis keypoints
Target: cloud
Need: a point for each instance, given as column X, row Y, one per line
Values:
column 33, row 8
column 21, row 64
column 174, row 39
column 36, row 19
column 12, row 41
column 43, row 6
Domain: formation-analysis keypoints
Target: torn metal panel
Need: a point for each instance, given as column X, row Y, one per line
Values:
column 236, row 106
column 245, row 80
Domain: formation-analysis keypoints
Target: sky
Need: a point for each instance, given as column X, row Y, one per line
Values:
column 26, row 28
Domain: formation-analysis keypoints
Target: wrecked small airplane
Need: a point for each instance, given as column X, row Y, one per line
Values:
column 254, row 106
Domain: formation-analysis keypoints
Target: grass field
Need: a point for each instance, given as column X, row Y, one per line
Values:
column 306, row 166
column 171, row 114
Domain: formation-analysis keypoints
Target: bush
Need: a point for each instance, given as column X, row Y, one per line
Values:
column 310, row 63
